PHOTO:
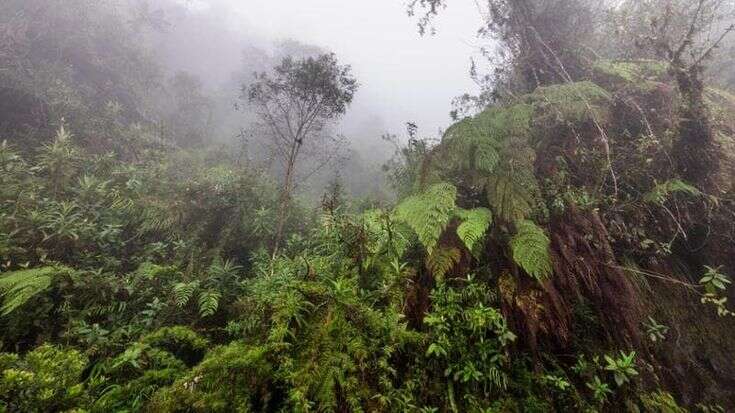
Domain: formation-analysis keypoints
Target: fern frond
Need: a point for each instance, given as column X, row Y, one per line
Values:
column 184, row 291
column 208, row 303
column 469, row 146
column 510, row 199
column 661, row 192
column 486, row 158
column 223, row 269
column 442, row 260
column 429, row 213
column 530, row 247
column 18, row 287
column 156, row 217
column 475, row 224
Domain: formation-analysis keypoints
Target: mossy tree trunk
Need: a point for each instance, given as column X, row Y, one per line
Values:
column 695, row 148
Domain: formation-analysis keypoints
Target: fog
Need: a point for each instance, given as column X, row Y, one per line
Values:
column 403, row 76
column 174, row 71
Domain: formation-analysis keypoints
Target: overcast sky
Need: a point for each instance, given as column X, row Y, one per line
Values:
column 404, row 76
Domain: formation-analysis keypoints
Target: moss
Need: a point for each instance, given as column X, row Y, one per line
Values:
column 641, row 75
column 180, row 341
column 230, row 378
column 572, row 102
column 507, row 122
column 631, row 71
column 46, row 379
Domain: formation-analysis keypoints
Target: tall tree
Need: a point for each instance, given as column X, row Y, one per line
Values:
column 295, row 105
column 685, row 33
column 538, row 42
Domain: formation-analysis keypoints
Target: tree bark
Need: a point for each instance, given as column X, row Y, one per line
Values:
column 695, row 150
column 285, row 198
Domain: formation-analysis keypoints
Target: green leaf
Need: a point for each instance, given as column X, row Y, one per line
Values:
column 661, row 192
column 429, row 213
column 18, row 287
column 208, row 303
column 183, row 292
column 475, row 224
column 530, row 247
column 510, row 199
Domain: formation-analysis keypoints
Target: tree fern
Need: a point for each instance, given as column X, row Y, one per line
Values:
column 17, row 287
column 442, row 260
column 661, row 192
column 184, row 291
column 486, row 157
column 475, row 224
column 429, row 213
column 530, row 247
column 208, row 303
column 510, row 199
column 467, row 145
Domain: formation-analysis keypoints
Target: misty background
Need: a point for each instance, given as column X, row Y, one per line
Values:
column 175, row 72
column 404, row 76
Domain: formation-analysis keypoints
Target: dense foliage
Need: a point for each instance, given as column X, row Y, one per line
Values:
column 549, row 253
column 153, row 285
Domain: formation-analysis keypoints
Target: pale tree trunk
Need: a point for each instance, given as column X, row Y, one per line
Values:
column 285, row 199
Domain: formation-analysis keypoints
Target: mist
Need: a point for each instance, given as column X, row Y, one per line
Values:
column 404, row 76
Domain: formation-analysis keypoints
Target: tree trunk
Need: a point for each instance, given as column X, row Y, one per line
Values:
column 695, row 150
column 285, row 198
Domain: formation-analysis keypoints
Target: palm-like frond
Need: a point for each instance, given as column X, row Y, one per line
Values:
column 184, row 291
column 442, row 260
column 509, row 199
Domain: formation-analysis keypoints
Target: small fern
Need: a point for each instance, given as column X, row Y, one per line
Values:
column 18, row 287
column 208, row 303
column 661, row 192
column 429, row 213
column 475, row 224
column 184, row 291
column 223, row 269
column 530, row 247
column 442, row 260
